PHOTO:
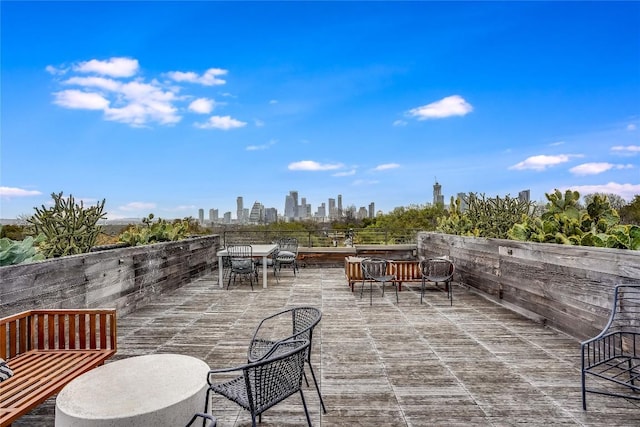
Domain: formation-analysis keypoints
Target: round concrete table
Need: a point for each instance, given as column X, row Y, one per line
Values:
column 153, row 390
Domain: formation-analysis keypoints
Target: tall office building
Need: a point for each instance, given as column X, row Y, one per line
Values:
column 372, row 210
column 524, row 196
column 270, row 215
column 227, row 217
column 213, row 215
column 322, row 211
column 333, row 213
column 201, row 216
column 256, row 216
column 289, row 211
column 438, row 198
column 239, row 210
column 339, row 205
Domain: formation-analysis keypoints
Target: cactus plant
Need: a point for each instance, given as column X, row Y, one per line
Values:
column 153, row 232
column 68, row 228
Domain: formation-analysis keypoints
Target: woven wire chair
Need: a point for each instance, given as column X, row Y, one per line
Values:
column 291, row 324
column 613, row 356
column 375, row 270
column 241, row 261
column 437, row 270
column 286, row 255
column 266, row 382
column 207, row 420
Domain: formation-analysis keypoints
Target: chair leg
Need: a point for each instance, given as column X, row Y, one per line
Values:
column 313, row 375
column 306, row 411
column 395, row 285
column 422, row 291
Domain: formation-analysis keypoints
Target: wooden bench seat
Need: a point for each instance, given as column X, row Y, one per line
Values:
column 46, row 349
column 404, row 270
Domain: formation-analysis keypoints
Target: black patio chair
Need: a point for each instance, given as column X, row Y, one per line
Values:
column 290, row 324
column 437, row 270
column 242, row 262
column 612, row 358
column 286, row 255
column 207, row 420
column 375, row 270
column 266, row 382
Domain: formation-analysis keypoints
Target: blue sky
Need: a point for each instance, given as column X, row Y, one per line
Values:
column 168, row 107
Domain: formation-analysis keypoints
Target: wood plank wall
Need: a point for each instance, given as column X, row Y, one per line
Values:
column 570, row 288
column 123, row 278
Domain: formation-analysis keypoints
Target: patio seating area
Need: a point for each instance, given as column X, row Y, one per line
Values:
column 385, row 364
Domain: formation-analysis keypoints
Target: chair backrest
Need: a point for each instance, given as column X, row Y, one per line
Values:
column 288, row 244
column 290, row 324
column 239, row 251
column 625, row 311
column 437, row 269
column 373, row 267
column 273, row 379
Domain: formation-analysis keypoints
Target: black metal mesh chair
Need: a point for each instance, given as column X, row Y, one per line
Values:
column 375, row 270
column 612, row 358
column 437, row 270
column 266, row 382
column 241, row 261
column 291, row 324
column 286, row 255
column 207, row 420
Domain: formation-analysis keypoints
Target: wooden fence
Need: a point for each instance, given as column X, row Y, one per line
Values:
column 570, row 288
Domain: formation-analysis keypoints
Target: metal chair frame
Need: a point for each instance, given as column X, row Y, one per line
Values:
column 437, row 270
column 290, row 324
column 286, row 244
column 614, row 354
column 375, row 270
column 266, row 382
column 242, row 262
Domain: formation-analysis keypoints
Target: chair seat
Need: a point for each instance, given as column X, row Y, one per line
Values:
column 387, row 278
column 234, row 390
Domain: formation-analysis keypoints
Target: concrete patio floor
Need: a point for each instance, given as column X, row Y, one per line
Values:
column 386, row 364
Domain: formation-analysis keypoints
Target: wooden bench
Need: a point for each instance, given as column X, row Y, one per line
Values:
column 405, row 271
column 46, row 349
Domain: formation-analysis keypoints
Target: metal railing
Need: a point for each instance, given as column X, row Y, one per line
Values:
column 325, row 238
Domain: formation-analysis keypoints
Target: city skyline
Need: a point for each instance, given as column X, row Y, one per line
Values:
column 169, row 107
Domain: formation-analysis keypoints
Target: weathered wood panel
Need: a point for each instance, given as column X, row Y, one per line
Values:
column 568, row 287
column 124, row 278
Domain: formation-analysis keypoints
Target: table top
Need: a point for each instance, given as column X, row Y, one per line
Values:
column 256, row 250
column 133, row 386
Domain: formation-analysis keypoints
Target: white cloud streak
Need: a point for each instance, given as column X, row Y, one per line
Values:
column 77, row 99
column 202, row 106
column 17, row 192
column 209, row 78
column 596, row 168
column 345, row 173
column 542, row 162
column 629, row 150
column 310, row 165
column 136, row 206
column 386, row 166
column 453, row 105
column 221, row 122
column 114, row 67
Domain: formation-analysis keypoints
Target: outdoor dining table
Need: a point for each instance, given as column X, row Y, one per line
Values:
column 263, row 251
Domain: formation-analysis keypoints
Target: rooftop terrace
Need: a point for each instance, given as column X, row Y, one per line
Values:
column 406, row 364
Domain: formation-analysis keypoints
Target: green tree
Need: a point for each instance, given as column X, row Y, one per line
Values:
column 630, row 213
column 615, row 201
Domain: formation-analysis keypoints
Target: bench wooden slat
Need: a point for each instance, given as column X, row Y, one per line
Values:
column 46, row 349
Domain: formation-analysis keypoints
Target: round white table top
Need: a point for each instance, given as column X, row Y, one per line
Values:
column 133, row 386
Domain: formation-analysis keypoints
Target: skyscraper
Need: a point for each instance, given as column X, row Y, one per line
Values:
column 339, row 205
column 239, row 210
column 438, row 198
column 201, row 215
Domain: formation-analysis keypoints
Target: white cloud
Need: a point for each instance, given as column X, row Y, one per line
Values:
column 386, row 166
column 596, row 168
column 221, row 122
column 209, row 78
column 631, row 126
column 77, row 99
column 56, row 71
column 453, row 105
column 310, row 165
column 557, row 143
column 17, row 192
column 345, row 173
column 400, row 123
column 626, row 191
column 136, row 206
column 261, row 147
column 114, row 67
column 542, row 162
column 202, row 106
column 95, row 82
column 628, row 150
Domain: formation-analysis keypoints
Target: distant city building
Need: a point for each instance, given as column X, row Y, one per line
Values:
column 201, row 216
column 227, row 218
column 213, row 215
column 362, row 213
column 239, row 209
column 372, row 210
column 333, row 210
column 524, row 196
column 256, row 216
column 463, row 201
column 322, row 211
column 438, row 198
column 270, row 215
column 339, row 205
